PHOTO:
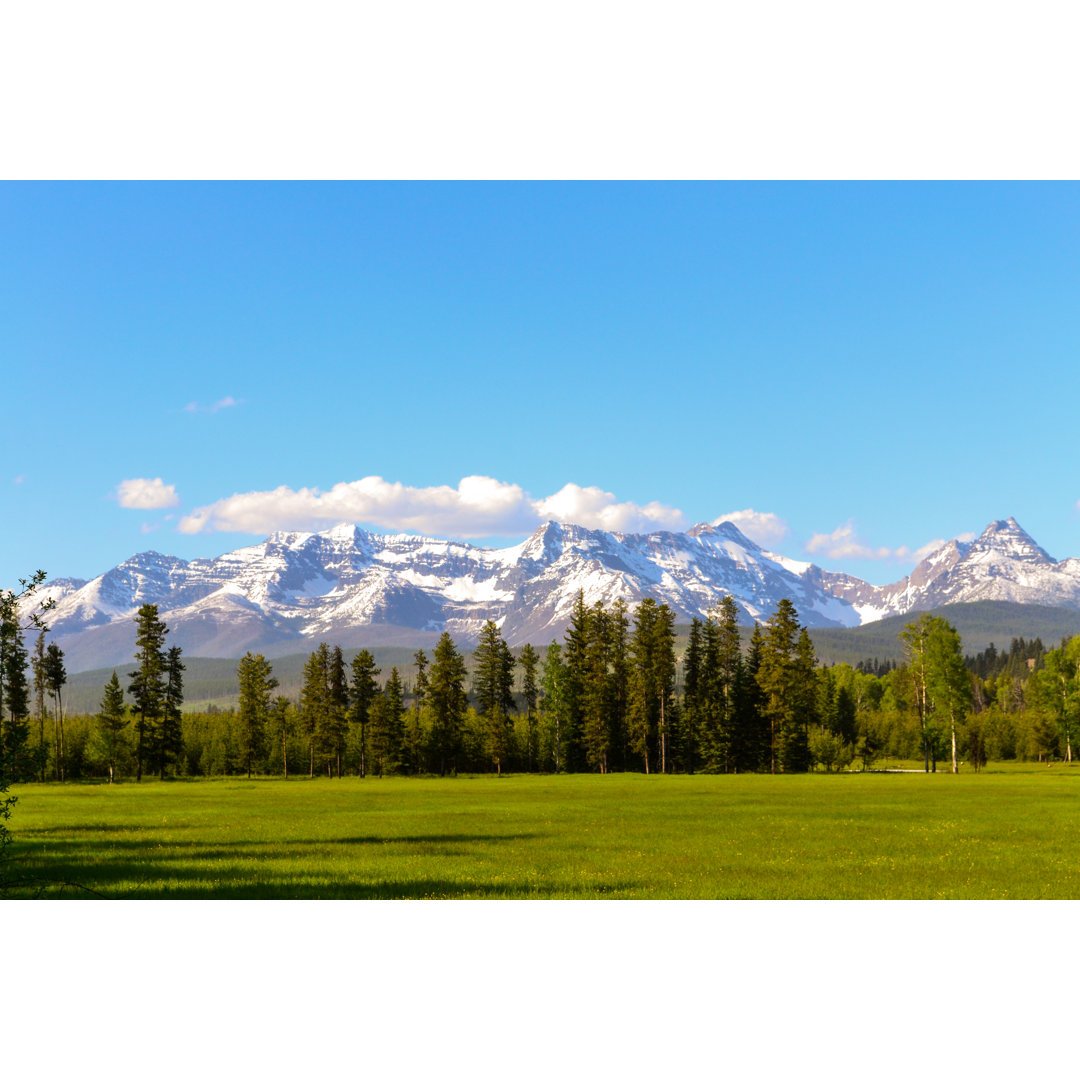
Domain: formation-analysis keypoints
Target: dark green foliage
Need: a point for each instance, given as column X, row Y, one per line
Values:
column 388, row 728
column 493, row 685
column 317, row 718
column 168, row 742
column 257, row 683
column 652, row 680
column 362, row 697
column 554, row 710
column 446, row 695
column 55, row 677
column 413, row 749
column 695, row 700
column 751, row 731
column 575, row 658
column 112, row 720
column 14, row 757
column 21, row 764
column 147, row 683
column 530, row 692
column 37, row 666
column 598, row 695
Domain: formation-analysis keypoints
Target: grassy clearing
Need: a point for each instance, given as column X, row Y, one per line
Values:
column 1007, row 833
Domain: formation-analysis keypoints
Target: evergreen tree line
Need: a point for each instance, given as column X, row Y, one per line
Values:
column 611, row 696
column 147, row 735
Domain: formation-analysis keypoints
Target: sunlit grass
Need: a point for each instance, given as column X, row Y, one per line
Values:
column 1003, row 833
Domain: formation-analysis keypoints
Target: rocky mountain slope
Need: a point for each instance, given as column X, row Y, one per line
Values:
column 1004, row 563
column 354, row 587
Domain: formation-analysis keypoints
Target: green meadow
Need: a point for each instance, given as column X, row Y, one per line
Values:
column 1009, row 833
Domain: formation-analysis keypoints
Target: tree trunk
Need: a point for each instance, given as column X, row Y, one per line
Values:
column 285, row 750
column 663, row 738
column 60, row 707
column 952, row 719
column 139, row 751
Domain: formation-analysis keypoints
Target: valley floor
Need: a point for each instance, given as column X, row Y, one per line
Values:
column 1005, row 833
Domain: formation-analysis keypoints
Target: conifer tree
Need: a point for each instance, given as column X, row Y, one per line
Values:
column 554, row 706
column 413, row 753
column 315, row 702
column 664, row 678
column 530, row 692
column 575, row 660
column 618, row 642
column 692, row 698
column 10, row 628
column 395, row 699
column 493, row 684
column 55, row 678
column 148, row 682
column 387, row 727
column 643, row 710
column 112, row 719
column 778, row 678
column 337, row 725
column 751, row 729
column 362, row 697
column 446, row 694
column 596, row 699
column 257, row 684
column 652, row 680
column 169, row 742
column 37, row 665
column 802, row 711
column 14, row 699
column 282, row 722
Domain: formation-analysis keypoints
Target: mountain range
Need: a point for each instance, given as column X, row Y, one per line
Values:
column 352, row 587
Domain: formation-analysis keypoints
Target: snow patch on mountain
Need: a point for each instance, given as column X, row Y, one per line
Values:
column 345, row 583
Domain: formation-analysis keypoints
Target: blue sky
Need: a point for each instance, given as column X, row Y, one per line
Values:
column 877, row 365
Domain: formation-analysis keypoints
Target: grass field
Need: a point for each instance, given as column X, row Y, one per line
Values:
column 1006, row 833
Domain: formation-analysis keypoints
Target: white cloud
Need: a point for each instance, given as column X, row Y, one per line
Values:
column 928, row 549
column 225, row 403
column 763, row 528
column 478, row 506
column 146, row 494
column 845, row 543
column 597, row 509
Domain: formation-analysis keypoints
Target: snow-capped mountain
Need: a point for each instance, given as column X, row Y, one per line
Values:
column 1004, row 563
column 352, row 587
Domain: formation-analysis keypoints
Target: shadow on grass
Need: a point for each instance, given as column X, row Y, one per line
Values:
column 52, row 833
column 251, row 870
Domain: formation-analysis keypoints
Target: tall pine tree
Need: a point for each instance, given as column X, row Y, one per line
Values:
column 257, row 684
column 147, row 683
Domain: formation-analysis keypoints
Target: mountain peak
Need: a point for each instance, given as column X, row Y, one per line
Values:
column 1008, row 537
column 725, row 530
